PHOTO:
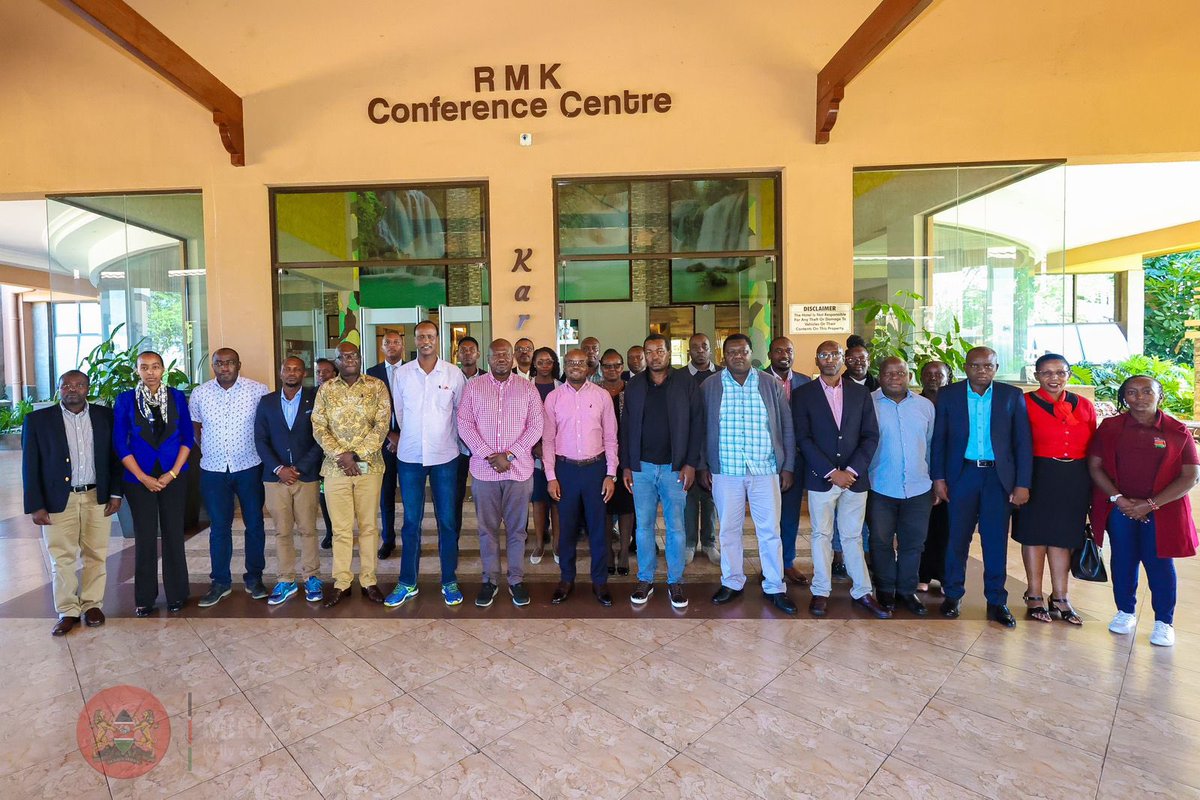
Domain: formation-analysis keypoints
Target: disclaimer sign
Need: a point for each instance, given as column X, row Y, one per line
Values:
column 820, row 318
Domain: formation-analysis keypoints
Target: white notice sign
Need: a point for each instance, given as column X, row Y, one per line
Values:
column 820, row 318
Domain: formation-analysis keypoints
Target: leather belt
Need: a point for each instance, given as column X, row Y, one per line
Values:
column 980, row 462
column 1065, row 460
column 580, row 462
column 82, row 489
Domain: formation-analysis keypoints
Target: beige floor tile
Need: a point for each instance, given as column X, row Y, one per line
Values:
column 995, row 758
column 43, row 673
column 27, row 640
column 801, row 635
column 873, row 711
column 225, row 734
column 578, row 750
column 645, row 632
column 681, row 778
column 125, row 646
column 666, row 700
column 1078, row 664
column 275, row 776
column 740, row 660
column 916, row 664
column 897, row 780
column 200, row 674
column 22, row 559
column 1160, row 743
column 424, row 654
column 253, row 662
column 1120, row 782
column 1184, row 655
column 951, row 634
column 776, row 754
column 576, row 655
column 359, row 633
column 1162, row 686
column 490, row 698
column 379, row 753
column 219, row 632
column 67, row 775
column 474, row 778
column 1071, row 714
column 37, row 732
column 505, row 633
column 1093, row 634
column 311, row 700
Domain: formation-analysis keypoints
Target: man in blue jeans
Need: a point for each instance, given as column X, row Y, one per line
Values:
column 659, row 448
column 425, row 397
column 223, row 411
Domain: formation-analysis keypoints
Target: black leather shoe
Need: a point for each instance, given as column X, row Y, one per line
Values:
column 372, row 593
column 951, row 607
column 887, row 600
column 176, row 607
column 914, row 605
column 782, row 602
column 64, row 626
column 869, row 602
column 385, row 550
column 93, row 617
column 726, row 595
column 336, row 596
column 603, row 596
column 562, row 592
column 1001, row 614
column 144, row 611
column 818, row 606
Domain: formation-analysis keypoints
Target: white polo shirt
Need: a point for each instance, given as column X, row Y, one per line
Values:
column 426, row 408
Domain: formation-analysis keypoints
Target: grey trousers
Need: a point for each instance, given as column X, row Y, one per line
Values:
column 504, row 502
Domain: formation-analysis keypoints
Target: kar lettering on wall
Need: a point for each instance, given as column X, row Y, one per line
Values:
column 521, row 295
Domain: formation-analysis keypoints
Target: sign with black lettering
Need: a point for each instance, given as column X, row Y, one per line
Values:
column 820, row 318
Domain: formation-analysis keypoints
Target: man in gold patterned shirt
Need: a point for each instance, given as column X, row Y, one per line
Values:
column 350, row 420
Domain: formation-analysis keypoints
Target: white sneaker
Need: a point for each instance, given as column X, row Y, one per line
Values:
column 688, row 556
column 1163, row 635
column 713, row 554
column 1123, row 623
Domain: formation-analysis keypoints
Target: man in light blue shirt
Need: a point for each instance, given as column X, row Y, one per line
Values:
column 901, row 490
column 979, row 436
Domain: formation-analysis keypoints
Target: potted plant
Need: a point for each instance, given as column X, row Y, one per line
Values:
column 896, row 334
column 11, row 419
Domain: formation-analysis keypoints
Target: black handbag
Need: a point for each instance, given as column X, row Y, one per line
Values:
column 1086, row 564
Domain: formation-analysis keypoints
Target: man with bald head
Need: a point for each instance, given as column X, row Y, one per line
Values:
column 500, row 420
column 591, row 349
column 635, row 360
column 982, row 465
column 901, row 490
column 223, row 412
column 291, row 459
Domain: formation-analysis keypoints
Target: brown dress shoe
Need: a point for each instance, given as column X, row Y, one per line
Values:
column 817, row 607
column 335, row 597
column 93, row 618
column 562, row 592
column 64, row 626
column 796, row 576
column 869, row 602
column 372, row 593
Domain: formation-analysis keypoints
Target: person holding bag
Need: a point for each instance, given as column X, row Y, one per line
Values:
column 1143, row 463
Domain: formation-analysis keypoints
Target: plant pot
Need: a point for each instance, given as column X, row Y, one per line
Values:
column 10, row 440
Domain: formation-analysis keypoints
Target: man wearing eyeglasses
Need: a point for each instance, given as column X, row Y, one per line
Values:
column 982, row 465
column 523, row 353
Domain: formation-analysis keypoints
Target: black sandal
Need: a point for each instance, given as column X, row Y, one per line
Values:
column 1038, row 612
column 1066, row 614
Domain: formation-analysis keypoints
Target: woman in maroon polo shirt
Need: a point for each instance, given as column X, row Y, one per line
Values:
column 1051, row 524
column 1143, row 463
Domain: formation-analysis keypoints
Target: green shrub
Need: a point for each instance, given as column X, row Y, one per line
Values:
column 1177, row 381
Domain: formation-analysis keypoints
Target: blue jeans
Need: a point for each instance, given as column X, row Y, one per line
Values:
column 652, row 484
column 1134, row 543
column 443, row 478
column 789, row 521
column 218, row 490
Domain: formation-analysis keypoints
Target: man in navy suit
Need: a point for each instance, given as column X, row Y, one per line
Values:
column 837, row 434
column 781, row 356
column 291, row 460
column 982, row 466
column 393, row 357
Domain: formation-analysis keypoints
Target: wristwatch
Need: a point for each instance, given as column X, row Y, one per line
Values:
column 511, row 458
column 1113, row 498
column 611, row 477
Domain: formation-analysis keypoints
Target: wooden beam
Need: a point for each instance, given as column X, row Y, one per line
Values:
column 116, row 20
column 878, row 30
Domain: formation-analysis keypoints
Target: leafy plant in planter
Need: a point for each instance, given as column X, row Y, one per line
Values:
column 12, row 418
column 1108, row 377
column 895, row 334
column 111, row 371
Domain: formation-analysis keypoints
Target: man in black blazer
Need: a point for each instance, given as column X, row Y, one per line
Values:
column 291, row 459
column 837, row 433
column 982, row 466
column 393, row 357
column 781, row 357
column 72, row 481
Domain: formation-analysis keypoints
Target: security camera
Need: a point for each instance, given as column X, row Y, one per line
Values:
column 526, row 139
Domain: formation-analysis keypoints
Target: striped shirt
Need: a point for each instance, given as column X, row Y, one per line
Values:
column 500, row 417
column 744, row 440
column 80, row 446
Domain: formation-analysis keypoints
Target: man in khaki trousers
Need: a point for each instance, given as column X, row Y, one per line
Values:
column 291, row 459
column 72, row 482
column 351, row 418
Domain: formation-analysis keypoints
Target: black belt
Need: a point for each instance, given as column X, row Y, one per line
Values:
column 82, row 489
column 580, row 463
column 980, row 462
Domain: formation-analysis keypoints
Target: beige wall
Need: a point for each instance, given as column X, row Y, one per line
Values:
column 973, row 80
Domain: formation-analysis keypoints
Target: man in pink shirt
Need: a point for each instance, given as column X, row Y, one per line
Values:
column 579, row 448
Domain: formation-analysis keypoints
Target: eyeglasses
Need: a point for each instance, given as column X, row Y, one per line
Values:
column 524, row 349
column 616, row 365
column 827, row 356
column 739, row 352
column 988, row 367
column 1053, row 373
column 576, row 363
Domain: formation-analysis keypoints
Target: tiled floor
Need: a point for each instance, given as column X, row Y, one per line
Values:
column 584, row 702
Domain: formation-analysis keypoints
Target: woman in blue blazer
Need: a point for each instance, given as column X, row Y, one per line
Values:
column 152, row 434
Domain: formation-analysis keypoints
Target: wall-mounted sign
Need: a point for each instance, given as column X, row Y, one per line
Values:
column 820, row 318
column 569, row 103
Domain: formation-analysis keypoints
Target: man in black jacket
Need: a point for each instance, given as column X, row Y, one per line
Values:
column 659, row 449
column 393, row 357
column 291, row 460
column 72, row 486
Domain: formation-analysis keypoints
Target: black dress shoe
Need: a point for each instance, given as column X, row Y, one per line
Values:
column 1001, row 614
column 887, row 600
column 782, row 602
column 372, row 593
column 335, row 597
column 385, row 550
column 818, row 606
column 144, row 611
column 603, row 596
column 64, row 626
column 562, row 592
column 951, row 607
column 176, row 607
column 869, row 602
column 726, row 595
column 93, row 618
column 914, row 605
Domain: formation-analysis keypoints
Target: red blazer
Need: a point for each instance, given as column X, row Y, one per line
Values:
column 1174, row 530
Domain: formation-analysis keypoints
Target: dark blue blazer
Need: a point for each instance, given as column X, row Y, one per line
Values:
column 1012, row 443
column 380, row 371
column 281, row 446
column 132, row 436
column 826, row 447
column 46, row 458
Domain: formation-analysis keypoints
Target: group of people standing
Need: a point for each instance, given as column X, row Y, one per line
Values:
column 897, row 482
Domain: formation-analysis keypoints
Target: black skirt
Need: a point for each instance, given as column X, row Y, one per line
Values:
column 1058, row 505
